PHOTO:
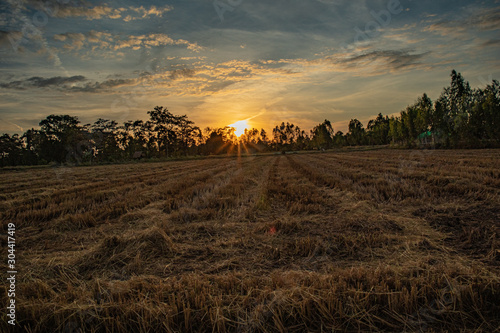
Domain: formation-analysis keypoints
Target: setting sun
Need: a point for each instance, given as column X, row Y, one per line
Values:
column 240, row 127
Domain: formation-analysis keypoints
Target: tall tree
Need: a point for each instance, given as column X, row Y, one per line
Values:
column 62, row 138
column 423, row 117
column 452, row 110
column 11, row 150
column 378, row 130
column 188, row 135
column 356, row 134
column 484, row 120
column 164, row 123
column 322, row 135
column 106, row 139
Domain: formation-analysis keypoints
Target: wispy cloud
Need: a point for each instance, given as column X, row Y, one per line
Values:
column 180, row 73
column 480, row 19
column 40, row 82
column 104, row 40
column 377, row 62
column 105, row 86
column 59, row 9
column 151, row 40
column 491, row 42
column 90, row 13
column 146, row 12
column 77, row 83
column 7, row 36
column 18, row 15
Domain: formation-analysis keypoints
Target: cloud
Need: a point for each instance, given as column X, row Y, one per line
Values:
column 217, row 86
column 34, row 33
column 104, row 40
column 40, row 82
column 104, row 86
column 447, row 29
column 75, row 41
column 78, row 40
column 179, row 73
column 89, row 13
column 151, row 40
column 491, row 42
column 481, row 19
column 376, row 62
column 486, row 20
column 56, row 8
column 405, row 38
column 239, row 69
column 153, row 10
column 7, row 36
column 225, row 78
column 77, row 83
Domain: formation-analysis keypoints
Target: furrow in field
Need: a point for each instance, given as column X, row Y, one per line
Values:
column 79, row 176
column 179, row 226
column 229, row 199
column 165, row 196
column 209, row 228
column 383, row 185
column 93, row 202
column 301, row 242
column 423, row 163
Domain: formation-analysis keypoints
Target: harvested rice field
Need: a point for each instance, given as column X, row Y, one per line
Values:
column 379, row 240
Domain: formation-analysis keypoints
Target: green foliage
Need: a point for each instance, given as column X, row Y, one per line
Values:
column 289, row 137
column 378, row 130
column 460, row 117
column 322, row 135
column 60, row 137
column 356, row 135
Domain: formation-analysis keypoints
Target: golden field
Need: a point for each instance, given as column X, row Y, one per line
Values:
column 379, row 240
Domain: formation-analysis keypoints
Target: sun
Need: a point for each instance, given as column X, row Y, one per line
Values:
column 240, row 127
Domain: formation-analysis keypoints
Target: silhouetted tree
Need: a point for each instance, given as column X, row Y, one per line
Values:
column 339, row 139
column 10, row 150
column 322, row 135
column 218, row 141
column 187, row 134
column 62, row 140
column 174, row 133
column 289, row 137
column 356, row 134
column 451, row 111
column 378, row 130
column 484, row 119
column 106, row 139
column 163, row 122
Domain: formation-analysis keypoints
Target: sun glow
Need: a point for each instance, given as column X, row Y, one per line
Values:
column 240, row 127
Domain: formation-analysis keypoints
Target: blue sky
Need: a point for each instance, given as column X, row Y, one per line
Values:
column 228, row 60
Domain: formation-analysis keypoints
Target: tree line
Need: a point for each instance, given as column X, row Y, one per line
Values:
column 460, row 118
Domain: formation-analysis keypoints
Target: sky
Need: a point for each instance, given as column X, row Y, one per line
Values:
column 225, row 61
